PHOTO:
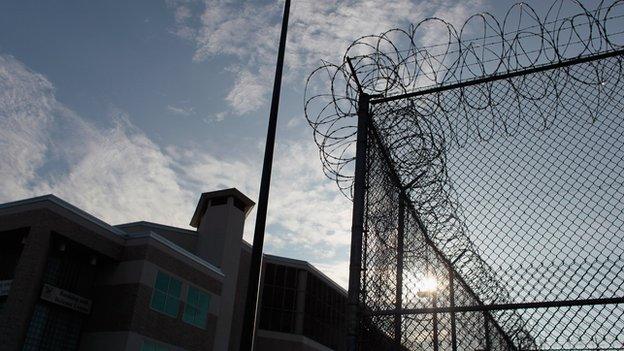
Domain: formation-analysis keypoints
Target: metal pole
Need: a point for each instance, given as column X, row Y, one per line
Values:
column 357, row 225
column 249, row 320
column 399, row 276
column 488, row 342
column 435, row 321
column 452, row 305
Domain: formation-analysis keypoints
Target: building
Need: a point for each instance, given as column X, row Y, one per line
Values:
column 69, row 281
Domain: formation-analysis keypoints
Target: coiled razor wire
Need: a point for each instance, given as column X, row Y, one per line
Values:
column 507, row 141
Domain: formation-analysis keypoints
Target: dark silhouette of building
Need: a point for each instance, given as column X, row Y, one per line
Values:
column 69, row 281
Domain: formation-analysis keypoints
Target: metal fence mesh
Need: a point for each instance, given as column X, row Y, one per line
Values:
column 494, row 181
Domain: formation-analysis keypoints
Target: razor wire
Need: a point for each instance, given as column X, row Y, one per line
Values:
column 506, row 146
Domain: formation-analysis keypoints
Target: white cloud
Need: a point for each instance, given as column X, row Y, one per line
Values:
column 318, row 30
column 217, row 117
column 119, row 174
column 241, row 29
column 248, row 92
column 181, row 110
column 182, row 13
column 22, row 125
column 338, row 271
column 305, row 211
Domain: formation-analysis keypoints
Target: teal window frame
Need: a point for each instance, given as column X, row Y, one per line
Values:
column 166, row 294
column 152, row 346
column 196, row 307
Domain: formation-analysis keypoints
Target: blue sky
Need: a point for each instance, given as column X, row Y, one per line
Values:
column 131, row 109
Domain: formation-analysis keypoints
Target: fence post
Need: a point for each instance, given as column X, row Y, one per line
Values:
column 488, row 342
column 434, row 302
column 452, row 305
column 357, row 225
column 399, row 275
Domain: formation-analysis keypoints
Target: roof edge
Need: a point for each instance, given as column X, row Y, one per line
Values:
column 52, row 199
column 309, row 266
column 173, row 246
column 156, row 225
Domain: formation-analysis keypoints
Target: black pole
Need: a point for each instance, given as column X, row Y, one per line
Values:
column 399, row 277
column 488, row 342
column 452, row 306
column 357, row 225
column 434, row 302
column 249, row 321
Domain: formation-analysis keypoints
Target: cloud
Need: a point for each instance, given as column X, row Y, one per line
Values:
column 181, row 110
column 338, row 271
column 216, row 117
column 318, row 30
column 305, row 211
column 22, row 125
column 248, row 92
column 119, row 174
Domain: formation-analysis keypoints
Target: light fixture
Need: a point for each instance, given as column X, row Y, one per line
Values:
column 93, row 260
column 62, row 247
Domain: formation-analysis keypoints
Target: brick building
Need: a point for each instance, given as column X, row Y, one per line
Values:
column 69, row 281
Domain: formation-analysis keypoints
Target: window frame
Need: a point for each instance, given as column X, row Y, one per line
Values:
column 149, row 345
column 194, row 307
column 167, row 294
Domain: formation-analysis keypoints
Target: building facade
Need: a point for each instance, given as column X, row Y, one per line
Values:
column 69, row 281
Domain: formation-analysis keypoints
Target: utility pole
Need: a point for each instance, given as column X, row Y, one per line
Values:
column 249, row 320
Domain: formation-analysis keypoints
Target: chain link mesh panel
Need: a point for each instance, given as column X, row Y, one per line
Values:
column 494, row 180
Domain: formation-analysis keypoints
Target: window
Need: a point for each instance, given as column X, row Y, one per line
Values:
column 278, row 307
column 152, row 346
column 196, row 309
column 324, row 319
column 166, row 296
column 53, row 328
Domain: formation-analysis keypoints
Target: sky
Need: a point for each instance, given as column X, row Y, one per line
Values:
column 131, row 109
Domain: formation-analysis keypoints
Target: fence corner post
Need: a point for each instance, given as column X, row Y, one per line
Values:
column 357, row 226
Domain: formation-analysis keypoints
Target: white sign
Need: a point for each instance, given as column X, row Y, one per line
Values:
column 5, row 286
column 65, row 298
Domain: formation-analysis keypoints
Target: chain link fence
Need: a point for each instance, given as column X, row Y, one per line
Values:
column 494, row 165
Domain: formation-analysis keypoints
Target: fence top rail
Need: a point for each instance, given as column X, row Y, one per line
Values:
column 502, row 76
column 500, row 307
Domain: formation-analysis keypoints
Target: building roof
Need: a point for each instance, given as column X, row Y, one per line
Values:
column 71, row 212
column 147, row 224
column 203, row 203
column 59, row 206
column 305, row 265
column 52, row 202
column 216, row 271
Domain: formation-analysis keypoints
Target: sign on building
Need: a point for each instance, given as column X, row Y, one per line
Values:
column 65, row 298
